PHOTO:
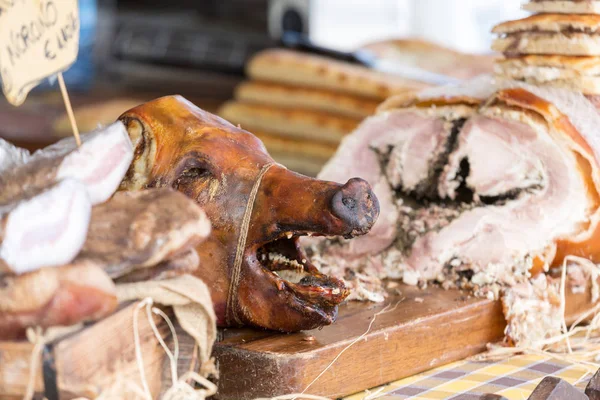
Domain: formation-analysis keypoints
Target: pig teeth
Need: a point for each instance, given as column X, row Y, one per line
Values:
column 309, row 234
column 291, row 276
column 280, row 259
column 290, row 235
column 304, row 261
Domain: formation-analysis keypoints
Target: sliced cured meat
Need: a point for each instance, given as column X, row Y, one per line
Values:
column 186, row 263
column 44, row 229
column 141, row 229
column 100, row 163
column 511, row 176
column 60, row 296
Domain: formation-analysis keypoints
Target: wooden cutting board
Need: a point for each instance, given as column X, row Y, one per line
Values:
column 428, row 328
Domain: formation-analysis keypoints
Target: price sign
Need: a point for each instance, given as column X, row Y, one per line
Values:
column 38, row 39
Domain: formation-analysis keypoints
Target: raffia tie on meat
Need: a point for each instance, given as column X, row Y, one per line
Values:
column 193, row 308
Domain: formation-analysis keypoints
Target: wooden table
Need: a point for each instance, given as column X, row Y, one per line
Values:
column 421, row 329
column 428, row 328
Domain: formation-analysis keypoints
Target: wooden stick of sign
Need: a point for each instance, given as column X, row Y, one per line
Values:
column 65, row 95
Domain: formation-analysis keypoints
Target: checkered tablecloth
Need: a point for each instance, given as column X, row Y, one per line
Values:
column 514, row 378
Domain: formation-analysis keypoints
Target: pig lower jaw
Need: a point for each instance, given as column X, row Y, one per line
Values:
column 285, row 260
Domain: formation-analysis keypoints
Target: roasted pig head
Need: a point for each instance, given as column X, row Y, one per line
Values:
column 258, row 273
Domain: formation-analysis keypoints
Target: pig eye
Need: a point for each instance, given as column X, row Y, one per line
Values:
column 190, row 175
column 193, row 173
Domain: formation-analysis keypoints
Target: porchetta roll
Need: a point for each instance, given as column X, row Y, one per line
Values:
column 483, row 184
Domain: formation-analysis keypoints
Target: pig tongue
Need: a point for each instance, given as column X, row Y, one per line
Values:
column 286, row 259
column 306, row 281
column 320, row 289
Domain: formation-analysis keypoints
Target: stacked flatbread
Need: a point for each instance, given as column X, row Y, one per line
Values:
column 302, row 105
column 558, row 47
column 433, row 57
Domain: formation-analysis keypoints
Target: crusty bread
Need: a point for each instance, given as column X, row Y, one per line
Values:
column 307, row 70
column 583, row 84
column 302, row 165
column 301, row 124
column 565, row 65
column 581, row 74
column 561, row 6
column 574, row 44
column 432, row 57
column 303, row 156
column 589, row 23
column 273, row 94
column 300, row 148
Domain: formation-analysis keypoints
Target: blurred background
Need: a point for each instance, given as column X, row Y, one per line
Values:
column 132, row 51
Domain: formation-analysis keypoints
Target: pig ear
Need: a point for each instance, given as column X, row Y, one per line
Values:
column 144, row 145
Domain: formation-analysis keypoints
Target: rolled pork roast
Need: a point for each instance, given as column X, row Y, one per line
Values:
column 483, row 186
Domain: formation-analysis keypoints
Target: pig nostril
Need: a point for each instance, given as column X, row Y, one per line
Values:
column 349, row 202
column 356, row 206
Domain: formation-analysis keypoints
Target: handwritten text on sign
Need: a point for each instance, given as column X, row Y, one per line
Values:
column 38, row 38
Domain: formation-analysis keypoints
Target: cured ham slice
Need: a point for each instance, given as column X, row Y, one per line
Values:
column 100, row 163
column 482, row 185
column 44, row 229
column 136, row 230
column 60, row 296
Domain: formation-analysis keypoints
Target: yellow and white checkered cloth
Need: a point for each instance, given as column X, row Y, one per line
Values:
column 513, row 378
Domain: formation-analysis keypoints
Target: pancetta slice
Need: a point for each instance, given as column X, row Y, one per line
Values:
column 44, row 229
column 100, row 163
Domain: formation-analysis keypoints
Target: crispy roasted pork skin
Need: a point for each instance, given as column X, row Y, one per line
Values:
column 486, row 183
column 228, row 172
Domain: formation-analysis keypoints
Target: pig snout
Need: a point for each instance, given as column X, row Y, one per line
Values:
column 356, row 205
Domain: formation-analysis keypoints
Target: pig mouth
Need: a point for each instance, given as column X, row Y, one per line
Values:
column 287, row 265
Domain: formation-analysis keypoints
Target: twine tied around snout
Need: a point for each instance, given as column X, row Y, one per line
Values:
column 231, row 314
